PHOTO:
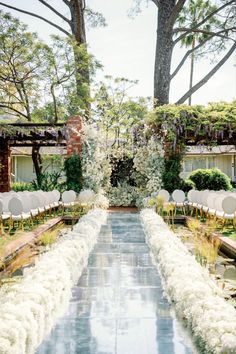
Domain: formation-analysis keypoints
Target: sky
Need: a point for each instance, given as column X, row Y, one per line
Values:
column 126, row 48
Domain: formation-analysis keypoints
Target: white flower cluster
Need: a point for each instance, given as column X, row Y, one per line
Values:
column 29, row 309
column 123, row 195
column 88, row 197
column 148, row 162
column 197, row 297
column 100, row 201
column 96, row 167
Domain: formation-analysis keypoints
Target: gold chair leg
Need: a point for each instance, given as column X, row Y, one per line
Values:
column 22, row 224
column 234, row 222
column 10, row 224
column 1, row 227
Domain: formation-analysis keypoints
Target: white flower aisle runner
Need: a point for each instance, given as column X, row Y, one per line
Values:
column 196, row 296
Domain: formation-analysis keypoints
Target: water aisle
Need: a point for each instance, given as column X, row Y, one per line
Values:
column 118, row 305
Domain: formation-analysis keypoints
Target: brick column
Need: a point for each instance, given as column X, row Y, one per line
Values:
column 5, row 166
column 74, row 144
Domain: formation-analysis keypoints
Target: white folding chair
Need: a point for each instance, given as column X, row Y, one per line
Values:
column 16, row 209
column 86, row 197
column 228, row 212
column 178, row 197
column 3, row 217
column 164, row 194
column 68, row 201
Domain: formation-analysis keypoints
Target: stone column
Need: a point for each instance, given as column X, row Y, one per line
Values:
column 74, row 143
column 5, row 166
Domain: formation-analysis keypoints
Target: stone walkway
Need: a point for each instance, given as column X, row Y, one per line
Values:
column 118, row 305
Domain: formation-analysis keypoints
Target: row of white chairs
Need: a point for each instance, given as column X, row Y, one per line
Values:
column 26, row 205
column 220, row 204
column 19, row 206
column 178, row 197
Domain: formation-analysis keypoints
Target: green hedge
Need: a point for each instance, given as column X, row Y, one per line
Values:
column 171, row 173
column 73, row 170
column 22, row 186
column 187, row 185
column 212, row 179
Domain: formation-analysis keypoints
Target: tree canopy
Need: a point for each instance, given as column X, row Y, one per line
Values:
column 215, row 29
column 74, row 27
column 184, row 125
column 116, row 113
column 37, row 80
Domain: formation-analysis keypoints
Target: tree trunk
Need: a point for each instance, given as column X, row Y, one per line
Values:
column 26, row 102
column 77, row 8
column 191, row 71
column 36, row 157
column 164, row 48
column 54, row 103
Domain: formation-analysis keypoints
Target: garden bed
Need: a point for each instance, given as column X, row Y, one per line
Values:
column 22, row 250
column 223, row 271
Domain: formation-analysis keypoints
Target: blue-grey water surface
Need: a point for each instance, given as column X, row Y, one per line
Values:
column 118, row 306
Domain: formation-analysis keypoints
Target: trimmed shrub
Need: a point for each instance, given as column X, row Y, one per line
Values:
column 73, row 170
column 212, row 179
column 170, row 176
column 187, row 185
column 21, row 186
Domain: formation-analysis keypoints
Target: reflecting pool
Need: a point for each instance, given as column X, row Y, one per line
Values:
column 118, row 306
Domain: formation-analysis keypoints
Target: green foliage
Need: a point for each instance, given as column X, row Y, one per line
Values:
column 122, row 170
column 181, row 124
column 193, row 12
column 123, row 195
column 21, row 61
column 73, row 169
column 47, row 112
column 21, row 186
column 48, row 181
column 187, row 185
column 116, row 113
column 40, row 81
column 62, row 75
column 212, row 179
column 172, row 168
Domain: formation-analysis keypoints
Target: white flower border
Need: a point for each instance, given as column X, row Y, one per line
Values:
column 196, row 296
column 29, row 309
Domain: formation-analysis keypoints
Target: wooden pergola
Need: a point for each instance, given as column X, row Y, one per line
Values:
column 36, row 135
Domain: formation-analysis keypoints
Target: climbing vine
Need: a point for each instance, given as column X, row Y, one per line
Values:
column 183, row 124
column 180, row 126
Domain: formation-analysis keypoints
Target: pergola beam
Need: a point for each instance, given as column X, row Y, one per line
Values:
column 42, row 144
column 41, row 134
